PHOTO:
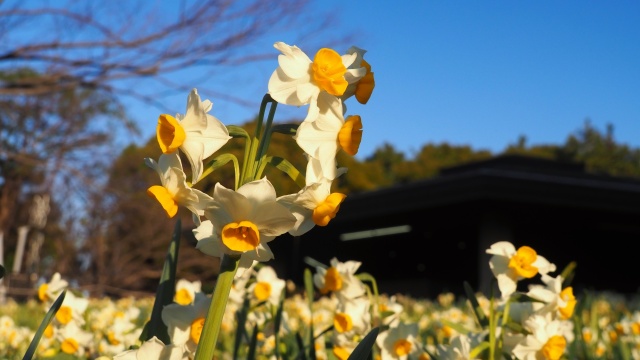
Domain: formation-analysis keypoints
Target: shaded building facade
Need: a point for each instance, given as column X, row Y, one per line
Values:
column 430, row 236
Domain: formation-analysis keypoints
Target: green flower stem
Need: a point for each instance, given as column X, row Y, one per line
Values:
column 211, row 330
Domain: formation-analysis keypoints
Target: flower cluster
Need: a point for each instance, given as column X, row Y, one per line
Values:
column 545, row 322
column 237, row 224
column 241, row 222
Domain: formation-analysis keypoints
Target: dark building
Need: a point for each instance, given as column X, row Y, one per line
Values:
column 430, row 236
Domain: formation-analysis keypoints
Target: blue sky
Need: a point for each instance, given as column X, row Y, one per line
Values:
column 477, row 73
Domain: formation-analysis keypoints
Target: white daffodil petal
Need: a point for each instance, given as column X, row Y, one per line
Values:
column 273, row 219
column 258, row 191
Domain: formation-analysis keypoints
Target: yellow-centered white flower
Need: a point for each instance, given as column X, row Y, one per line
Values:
column 299, row 81
column 314, row 204
column 72, row 310
column 267, row 287
column 559, row 301
column 353, row 317
column 547, row 339
column 197, row 134
column 322, row 137
column 399, row 342
column 340, row 279
column 510, row 265
column 174, row 191
column 185, row 322
column 186, row 291
column 49, row 292
column 245, row 221
column 73, row 340
column 363, row 88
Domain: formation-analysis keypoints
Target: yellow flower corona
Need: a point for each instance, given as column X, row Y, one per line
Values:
column 242, row 236
column 196, row 329
column 327, row 71
column 64, row 315
column 169, row 133
column 48, row 331
column 69, row 346
column 341, row 353
column 165, row 198
column 365, row 86
column 350, row 135
column 327, row 210
column 342, row 322
column 554, row 347
column 111, row 338
column 42, row 292
column 567, row 295
column 262, row 291
column 183, row 297
column 522, row 262
column 402, row 347
column 332, row 281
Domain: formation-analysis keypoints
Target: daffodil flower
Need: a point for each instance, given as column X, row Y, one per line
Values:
column 186, row 291
column 73, row 340
column 72, row 310
column 353, row 317
column 459, row 347
column 560, row 301
column 547, row 338
column 399, row 341
column 174, row 191
column 510, row 265
column 185, row 322
column 49, row 292
column 243, row 222
column 340, row 279
column 363, row 88
column 268, row 286
column 323, row 137
column 197, row 134
column 299, row 81
column 314, row 204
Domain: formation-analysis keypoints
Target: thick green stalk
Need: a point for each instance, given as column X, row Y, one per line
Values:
column 211, row 330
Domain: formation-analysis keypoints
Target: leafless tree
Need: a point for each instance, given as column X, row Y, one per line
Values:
column 65, row 68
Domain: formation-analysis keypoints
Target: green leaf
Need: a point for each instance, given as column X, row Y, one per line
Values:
column 287, row 129
column 33, row 346
column 302, row 355
column 475, row 305
column 218, row 162
column 308, row 286
column 276, row 323
column 241, row 330
column 567, row 274
column 455, row 326
column 253, row 344
column 286, row 167
column 165, row 291
column 476, row 351
column 237, row 131
column 363, row 349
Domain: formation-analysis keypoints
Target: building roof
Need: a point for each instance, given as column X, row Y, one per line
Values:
column 513, row 178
